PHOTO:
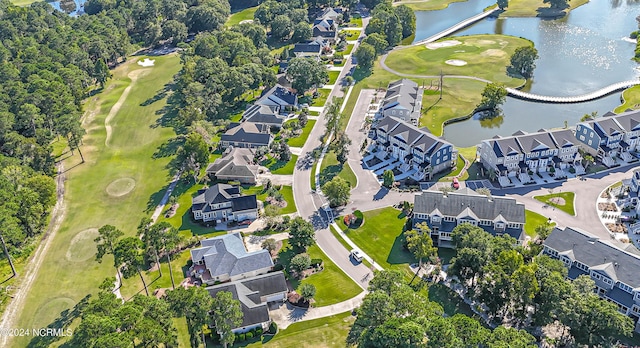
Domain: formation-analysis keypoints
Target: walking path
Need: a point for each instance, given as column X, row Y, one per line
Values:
column 288, row 314
column 463, row 24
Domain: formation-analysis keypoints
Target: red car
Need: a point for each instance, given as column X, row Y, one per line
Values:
column 456, row 184
column 245, row 222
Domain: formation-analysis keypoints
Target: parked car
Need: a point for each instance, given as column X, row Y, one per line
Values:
column 455, row 184
column 357, row 255
column 245, row 222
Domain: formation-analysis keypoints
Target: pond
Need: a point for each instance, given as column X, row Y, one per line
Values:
column 71, row 7
column 585, row 51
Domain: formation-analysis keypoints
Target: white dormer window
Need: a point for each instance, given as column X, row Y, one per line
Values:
column 435, row 218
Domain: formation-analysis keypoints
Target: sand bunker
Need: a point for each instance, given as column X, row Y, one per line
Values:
column 448, row 43
column 494, row 53
column 246, row 21
column 120, row 187
column 486, row 42
column 456, row 62
column 146, row 62
column 82, row 247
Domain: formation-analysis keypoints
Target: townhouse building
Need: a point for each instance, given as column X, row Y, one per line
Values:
column 414, row 151
column 403, row 100
column 612, row 137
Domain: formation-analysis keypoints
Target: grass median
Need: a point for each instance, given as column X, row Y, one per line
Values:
column 561, row 200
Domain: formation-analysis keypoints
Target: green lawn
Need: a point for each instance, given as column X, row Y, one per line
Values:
column 23, row 2
column 63, row 281
column 381, row 238
column 333, row 77
column 631, row 97
column 134, row 285
column 245, row 14
column 183, row 332
column 323, row 94
column 331, row 167
column 355, row 21
column 341, row 240
column 533, row 220
column 566, row 206
column 427, row 5
column 528, row 8
column 449, row 300
column 302, row 138
column 447, row 176
column 279, row 167
column 487, row 57
column 324, row 332
column 348, row 49
column 351, row 34
column 332, row 284
column 287, row 192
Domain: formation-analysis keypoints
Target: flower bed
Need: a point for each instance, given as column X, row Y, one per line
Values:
column 607, row 207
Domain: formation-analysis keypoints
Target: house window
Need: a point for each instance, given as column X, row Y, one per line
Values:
column 584, row 130
column 596, row 276
column 591, row 135
column 435, row 219
column 589, row 142
column 625, row 287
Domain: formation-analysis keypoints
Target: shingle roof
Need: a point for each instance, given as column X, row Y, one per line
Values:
column 226, row 255
column 607, row 126
column 521, row 142
column 314, row 46
column 402, row 94
column 252, row 293
column 597, row 254
column 629, row 121
column 221, row 193
column 461, row 203
column 257, row 113
column 329, row 12
column 247, row 132
column 411, row 135
column 278, row 96
column 236, row 163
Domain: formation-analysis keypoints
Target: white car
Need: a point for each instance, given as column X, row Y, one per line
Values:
column 357, row 255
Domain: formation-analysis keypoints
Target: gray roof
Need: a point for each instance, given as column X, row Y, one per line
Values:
column 248, row 132
column 329, row 12
column 597, row 254
column 222, row 193
column 226, row 255
column 469, row 202
column 522, row 143
column 257, row 113
column 629, row 121
column 401, row 94
column 411, row 135
column 607, row 126
column 278, row 96
column 252, row 293
column 235, row 163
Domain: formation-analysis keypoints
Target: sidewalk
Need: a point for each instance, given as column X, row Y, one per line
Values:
column 354, row 246
column 288, row 314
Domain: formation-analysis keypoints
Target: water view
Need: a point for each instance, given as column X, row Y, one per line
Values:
column 70, row 7
column 580, row 53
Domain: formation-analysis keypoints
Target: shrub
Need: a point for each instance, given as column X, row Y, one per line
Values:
column 278, row 267
column 249, row 335
column 316, row 262
column 242, row 337
column 273, row 328
column 259, row 331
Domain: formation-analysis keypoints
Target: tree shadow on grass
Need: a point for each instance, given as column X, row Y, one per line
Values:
column 62, row 322
column 329, row 173
column 168, row 148
column 398, row 255
column 161, row 94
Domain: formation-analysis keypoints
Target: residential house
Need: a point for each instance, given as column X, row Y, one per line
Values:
column 281, row 100
column 634, row 184
column 222, row 203
column 311, row 49
column 613, row 268
column 611, row 136
column 246, row 135
column 416, row 152
column 225, row 258
column 262, row 114
column 255, row 295
column 523, row 154
column 236, row 164
column 325, row 28
column 330, row 13
column 444, row 211
column 403, row 100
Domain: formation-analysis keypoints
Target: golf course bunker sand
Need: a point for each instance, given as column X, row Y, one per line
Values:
column 82, row 247
column 456, row 62
column 146, row 62
column 120, row 187
column 486, row 42
column 441, row 44
column 50, row 311
column 492, row 52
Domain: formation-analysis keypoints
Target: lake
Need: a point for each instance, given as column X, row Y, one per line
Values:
column 586, row 50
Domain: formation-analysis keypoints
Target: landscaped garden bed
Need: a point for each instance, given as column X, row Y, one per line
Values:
column 607, row 207
column 616, row 227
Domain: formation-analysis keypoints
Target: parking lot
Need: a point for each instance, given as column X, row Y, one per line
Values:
column 472, row 184
column 476, row 184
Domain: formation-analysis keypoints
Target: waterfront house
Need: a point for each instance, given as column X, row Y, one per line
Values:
column 403, row 100
column 612, row 137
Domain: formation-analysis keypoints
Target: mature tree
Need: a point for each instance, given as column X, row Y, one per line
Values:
column 378, row 41
column 159, row 238
column 467, row 264
column 502, row 4
column 281, row 27
column 525, row 288
column 337, row 191
column 370, row 4
column 227, row 315
column 470, row 331
column 301, row 234
column 333, row 117
column 523, row 61
column 283, row 151
column 301, row 32
column 493, row 95
column 587, row 117
column 194, row 154
column 503, row 337
column 175, row 31
column 420, row 244
column 307, row 291
column 544, row 230
column 385, row 21
column 254, row 31
column 365, row 55
column 193, row 303
column 150, row 240
column 101, row 72
column 106, row 243
column 340, row 145
column 407, row 20
column 550, row 301
column 388, row 178
column 306, row 73
column 269, row 244
column 129, row 252
column 299, row 264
